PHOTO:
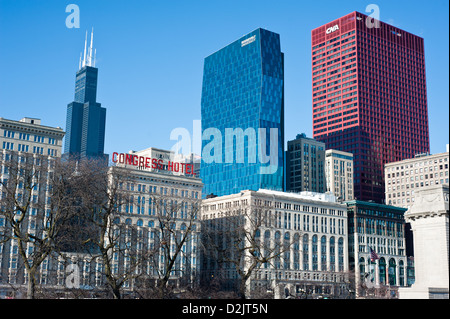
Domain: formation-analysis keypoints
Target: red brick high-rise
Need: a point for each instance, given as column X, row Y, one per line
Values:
column 369, row 96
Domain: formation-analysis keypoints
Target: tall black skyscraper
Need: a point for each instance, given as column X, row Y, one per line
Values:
column 85, row 122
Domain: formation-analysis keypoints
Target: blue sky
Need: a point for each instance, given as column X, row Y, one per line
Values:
column 150, row 58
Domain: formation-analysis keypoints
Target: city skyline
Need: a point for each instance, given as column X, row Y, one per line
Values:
column 139, row 76
column 231, row 82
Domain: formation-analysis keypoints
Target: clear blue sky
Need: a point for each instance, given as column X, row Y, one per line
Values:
column 150, row 58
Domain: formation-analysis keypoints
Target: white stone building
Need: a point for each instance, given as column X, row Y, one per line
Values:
column 151, row 196
column 29, row 136
column 339, row 174
column 404, row 178
column 312, row 225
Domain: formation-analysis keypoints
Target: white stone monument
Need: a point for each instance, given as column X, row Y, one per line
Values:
column 429, row 221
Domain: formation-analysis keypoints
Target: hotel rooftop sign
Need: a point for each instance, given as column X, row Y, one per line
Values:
column 152, row 163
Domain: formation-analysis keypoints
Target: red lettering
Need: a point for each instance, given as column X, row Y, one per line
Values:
column 148, row 162
column 129, row 159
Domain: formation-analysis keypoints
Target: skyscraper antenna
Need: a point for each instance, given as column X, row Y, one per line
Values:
column 90, row 58
column 85, row 43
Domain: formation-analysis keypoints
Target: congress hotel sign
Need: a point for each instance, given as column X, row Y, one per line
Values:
column 152, row 163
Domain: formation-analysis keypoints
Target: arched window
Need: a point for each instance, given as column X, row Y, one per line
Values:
column 323, row 252
column 277, row 259
column 341, row 254
column 266, row 249
column 140, row 222
column 382, row 270
column 286, row 251
column 314, row 253
column 128, row 221
column 277, row 235
column 362, row 268
column 391, row 272
column 401, row 273
column 151, row 223
column 305, row 252
column 332, row 254
column 296, row 249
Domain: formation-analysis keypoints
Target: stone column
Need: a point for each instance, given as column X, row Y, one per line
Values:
column 328, row 254
column 397, row 273
column 429, row 220
column 377, row 272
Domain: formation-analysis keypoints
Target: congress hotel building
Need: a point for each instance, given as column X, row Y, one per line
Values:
column 369, row 96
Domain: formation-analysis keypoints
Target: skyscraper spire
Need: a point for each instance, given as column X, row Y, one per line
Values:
column 84, row 58
column 90, row 58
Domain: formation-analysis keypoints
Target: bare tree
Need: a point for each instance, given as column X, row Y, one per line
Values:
column 237, row 240
column 176, row 237
column 107, row 237
column 36, row 205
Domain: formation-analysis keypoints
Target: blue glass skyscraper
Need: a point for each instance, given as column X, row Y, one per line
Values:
column 242, row 115
column 85, row 122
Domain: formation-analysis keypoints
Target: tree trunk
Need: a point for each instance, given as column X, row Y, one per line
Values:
column 31, row 287
column 243, row 288
column 116, row 293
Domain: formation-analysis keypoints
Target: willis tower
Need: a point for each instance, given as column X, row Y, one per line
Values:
column 86, row 118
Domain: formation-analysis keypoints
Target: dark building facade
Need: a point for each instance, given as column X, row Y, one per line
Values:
column 86, row 118
column 305, row 165
column 369, row 96
column 379, row 228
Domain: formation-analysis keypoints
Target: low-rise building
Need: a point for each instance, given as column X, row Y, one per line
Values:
column 302, row 237
column 29, row 136
column 155, row 210
column 377, row 248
